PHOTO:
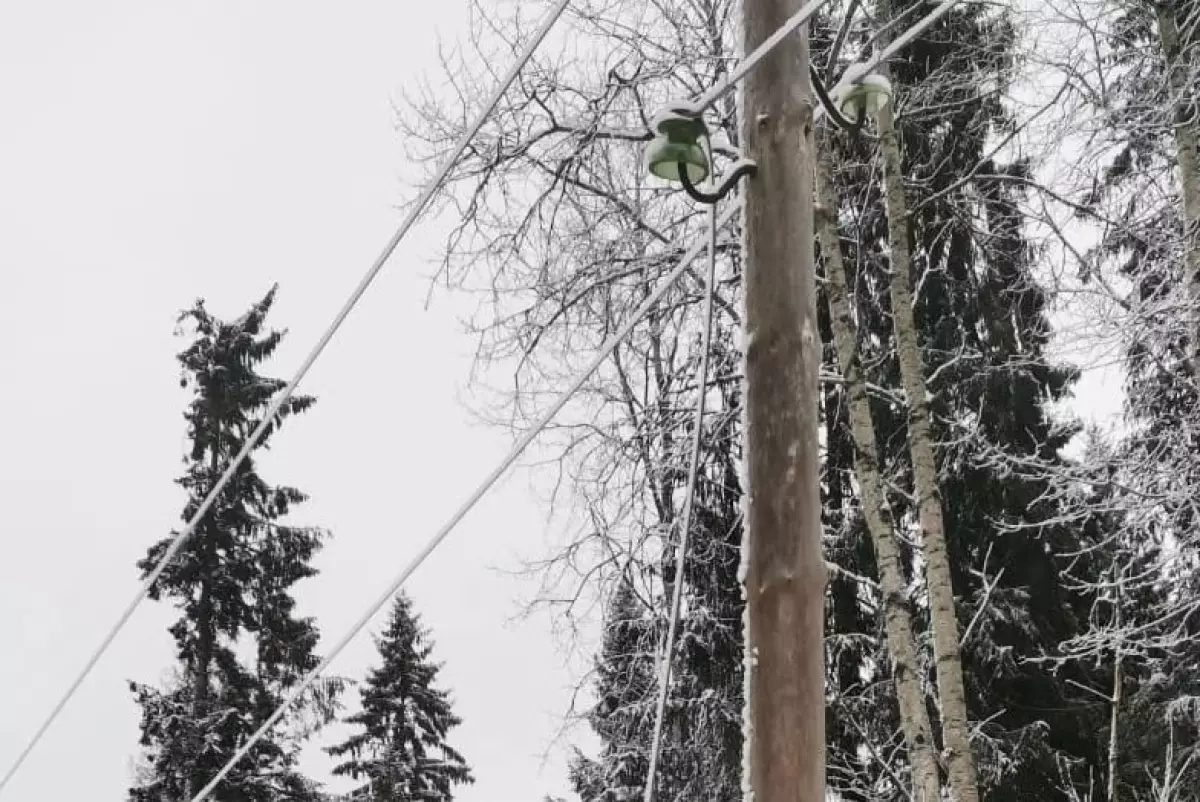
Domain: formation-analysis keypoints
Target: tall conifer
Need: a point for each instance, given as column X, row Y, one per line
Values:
column 239, row 642
column 399, row 751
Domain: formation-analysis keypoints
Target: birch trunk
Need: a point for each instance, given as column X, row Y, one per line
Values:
column 201, row 684
column 960, row 763
column 914, row 717
column 1115, row 714
column 1187, row 157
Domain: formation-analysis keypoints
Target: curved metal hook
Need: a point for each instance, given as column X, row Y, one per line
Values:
column 741, row 167
column 831, row 108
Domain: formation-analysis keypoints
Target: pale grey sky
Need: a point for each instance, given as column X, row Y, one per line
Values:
column 152, row 152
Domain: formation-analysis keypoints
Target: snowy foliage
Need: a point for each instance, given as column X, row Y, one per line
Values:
column 399, row 749
column 232, row 582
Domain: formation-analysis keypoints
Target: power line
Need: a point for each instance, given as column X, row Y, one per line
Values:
column 912, row 33
column 798, row 19
column 901, row 42
column 685, row 522
column 512, row 456
column 418, row 208
column 759, row 53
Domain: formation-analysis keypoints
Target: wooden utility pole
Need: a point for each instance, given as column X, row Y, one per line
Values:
column 785, row 577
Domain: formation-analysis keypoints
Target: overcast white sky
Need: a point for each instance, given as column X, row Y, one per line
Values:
column 153, row 152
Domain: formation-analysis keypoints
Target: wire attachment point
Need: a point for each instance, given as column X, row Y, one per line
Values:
column 682, row 151
column 742, row 167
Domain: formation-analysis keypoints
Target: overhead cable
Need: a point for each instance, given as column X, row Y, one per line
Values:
column 759, row 53
column 685, row 520
column 798, row 19
column 414, row 214
column 901, row 42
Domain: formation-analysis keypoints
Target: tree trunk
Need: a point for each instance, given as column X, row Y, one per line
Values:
column 1115, row 717
column 1188, row 159
column 785, row 576
column 200, row 684
column 205, row 639
column 960, row 763
column 914, row 717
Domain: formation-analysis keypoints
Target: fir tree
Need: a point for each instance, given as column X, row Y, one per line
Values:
column 626, row 683
column 701, row 750
column 1147, row 178
column 232, row 582
column 400, row 749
